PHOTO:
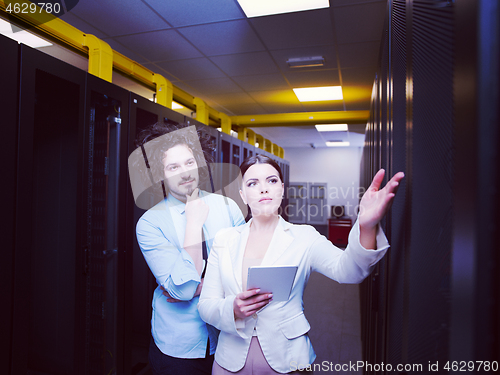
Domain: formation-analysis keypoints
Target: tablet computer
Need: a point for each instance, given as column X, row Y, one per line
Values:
column 277, row 280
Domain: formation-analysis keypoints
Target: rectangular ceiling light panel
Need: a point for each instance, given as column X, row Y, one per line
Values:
column 22, row 36
column 331, row 127
column 315, row 94
column 338, row 144
column 257, row 8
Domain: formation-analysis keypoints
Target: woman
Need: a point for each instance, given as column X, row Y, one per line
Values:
column 258, row 340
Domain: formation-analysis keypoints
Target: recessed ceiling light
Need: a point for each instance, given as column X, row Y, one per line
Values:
column 338, row 144
column 257, row 8
column 331, row 127
column 313, row 94
column 22, row 36
column 176, row 105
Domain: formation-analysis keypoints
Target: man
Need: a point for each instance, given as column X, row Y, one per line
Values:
column 175, row 238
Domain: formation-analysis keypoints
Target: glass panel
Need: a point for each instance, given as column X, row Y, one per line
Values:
column 143, row 281
column 236, row 155
column 105, row 125
column 225, row 149
column 54, row 216
column 143, row 120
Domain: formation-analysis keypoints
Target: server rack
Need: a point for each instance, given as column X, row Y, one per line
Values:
column 285, row 170
column 248, row 150
column 215, row 173
column 297, row 193
column 435, row 296
column 307, row 203
column 105, row 201
column 140, row 284
column 227, row 174
column 8, row 152
column 48, row 323
column 317, row 203
column 231, row 150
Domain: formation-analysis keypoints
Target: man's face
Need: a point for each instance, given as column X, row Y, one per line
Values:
column 181, row 171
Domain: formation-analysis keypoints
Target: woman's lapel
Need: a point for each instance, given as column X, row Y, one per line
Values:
column 237, row 250
column 281, row 240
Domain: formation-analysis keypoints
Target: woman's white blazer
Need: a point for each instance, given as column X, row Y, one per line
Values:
column 281, row 326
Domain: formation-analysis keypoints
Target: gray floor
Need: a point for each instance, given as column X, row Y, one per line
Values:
column 334, row 314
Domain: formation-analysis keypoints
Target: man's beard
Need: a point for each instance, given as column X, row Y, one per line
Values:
column 183, row 190
column 190, row 190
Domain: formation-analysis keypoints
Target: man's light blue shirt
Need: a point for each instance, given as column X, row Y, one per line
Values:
column 177, row 328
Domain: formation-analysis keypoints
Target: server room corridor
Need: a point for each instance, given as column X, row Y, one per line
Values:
column 416, row 86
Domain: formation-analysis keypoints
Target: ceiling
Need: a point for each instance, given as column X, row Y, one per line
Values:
column 237, row 65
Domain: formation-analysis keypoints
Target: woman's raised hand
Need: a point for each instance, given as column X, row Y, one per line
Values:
column 376, row 201
column 248, row 302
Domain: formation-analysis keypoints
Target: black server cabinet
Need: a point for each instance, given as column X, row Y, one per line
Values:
column 47, row 324
column 231, row 149
column 248, row 150
column 230, row 157
column 105, row 248
column 435, row 296
column 215, row 139
column 70, row 176
column 285, row 170
column 214, row 135
column 140, row 283
column 8, row 153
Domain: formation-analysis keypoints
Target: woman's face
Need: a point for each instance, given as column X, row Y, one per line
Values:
column 262, row 189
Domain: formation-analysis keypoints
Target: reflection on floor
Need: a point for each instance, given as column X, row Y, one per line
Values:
column 334, row 314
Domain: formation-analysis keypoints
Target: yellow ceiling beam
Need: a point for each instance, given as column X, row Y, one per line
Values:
column 259, row 141
column 281, row 152
column 275, row 149
column 164, row 90
column 252, row 137
column 133, row 70
column 268, row 145
column 100, row 57
column 242, row 134
column 225, row 123
column 201, row 110
column 302, row 118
